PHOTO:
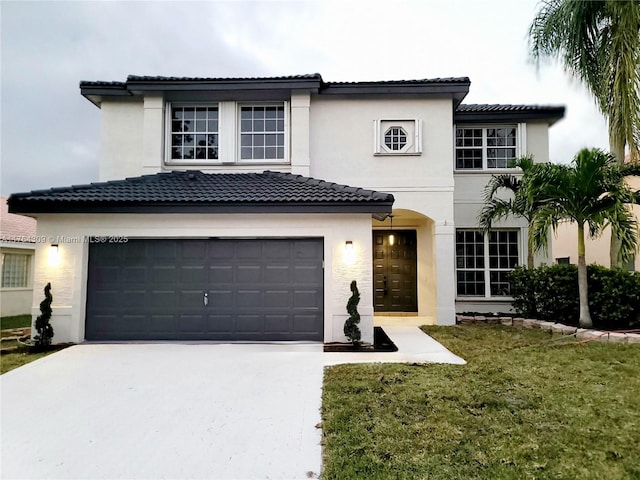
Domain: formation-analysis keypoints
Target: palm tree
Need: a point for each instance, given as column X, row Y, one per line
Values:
column 598, row 41
column 518, row 205
column 592, row 193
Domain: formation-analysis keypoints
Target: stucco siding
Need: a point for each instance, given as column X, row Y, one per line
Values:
column 122, row 139
column 68, row 274
column 342, row 144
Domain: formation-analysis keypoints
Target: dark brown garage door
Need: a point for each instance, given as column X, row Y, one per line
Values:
column 210, row 289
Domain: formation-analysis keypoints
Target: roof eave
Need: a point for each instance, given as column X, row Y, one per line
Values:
column 379, row 208
column 548, row 115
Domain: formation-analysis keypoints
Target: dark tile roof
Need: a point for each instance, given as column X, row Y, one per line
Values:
column 506, row 108
column 508, row 113
column 152, row 78
column 404, row 82
column 195, row 191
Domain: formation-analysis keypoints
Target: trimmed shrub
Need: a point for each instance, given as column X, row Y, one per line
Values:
column 551, row 293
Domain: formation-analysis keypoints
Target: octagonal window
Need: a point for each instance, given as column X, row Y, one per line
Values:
column 395, row 138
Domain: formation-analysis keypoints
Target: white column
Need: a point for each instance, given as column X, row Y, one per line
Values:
column 299, row 130
column 153, row 134
column 445, row 273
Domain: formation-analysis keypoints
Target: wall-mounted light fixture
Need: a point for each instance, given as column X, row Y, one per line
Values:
column 392, row 237
column 349, row 253
column 54, row 255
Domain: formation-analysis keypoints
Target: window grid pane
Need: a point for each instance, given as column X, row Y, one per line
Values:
column 495, row 145
column 194, row 133
column 503, row 257
column 262, row 133
column 395, row 138
column 15, row 270
column 470, row 263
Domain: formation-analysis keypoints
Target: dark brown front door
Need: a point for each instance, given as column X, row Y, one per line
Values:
column 395, row 284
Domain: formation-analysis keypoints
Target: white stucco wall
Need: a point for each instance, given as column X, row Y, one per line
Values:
column 342, row 150
column 121, row 142
column 68, row 276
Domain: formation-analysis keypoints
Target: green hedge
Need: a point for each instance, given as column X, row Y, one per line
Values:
column 551, row 292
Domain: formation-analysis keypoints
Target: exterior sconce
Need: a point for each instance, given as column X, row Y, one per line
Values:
column 54, row 255
column 349, row 253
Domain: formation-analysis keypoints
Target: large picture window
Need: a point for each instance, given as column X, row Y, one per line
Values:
column 483, row 262
column 479, row 148
column 15, row 270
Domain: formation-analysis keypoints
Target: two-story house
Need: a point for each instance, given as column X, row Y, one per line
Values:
column 242, row 208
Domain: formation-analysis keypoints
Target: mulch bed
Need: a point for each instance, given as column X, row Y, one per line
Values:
column 381, row 343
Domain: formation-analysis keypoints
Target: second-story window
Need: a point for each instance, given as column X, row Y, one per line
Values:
column 194, row 133
column 479, row 148
column 262, row 132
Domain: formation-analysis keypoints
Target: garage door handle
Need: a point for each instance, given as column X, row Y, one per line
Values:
column 205, row 300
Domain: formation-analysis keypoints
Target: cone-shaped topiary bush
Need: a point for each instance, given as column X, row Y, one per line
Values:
column 44, row 328
column 351, row 330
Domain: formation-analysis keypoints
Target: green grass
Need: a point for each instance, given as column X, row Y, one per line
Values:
column 526, row 406
column 17, row 321
column 10, row 361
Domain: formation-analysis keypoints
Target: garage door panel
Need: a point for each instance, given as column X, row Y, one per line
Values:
column 249, row 298
column 221, row 299
column 133, row 299
column 221, row 274
column 190, row 299
column 249, row 323
column 134, row 274
column 191, row 323
column 280, row 324
column 277, row 299
column 193, row 274
column 162, row 300
column 248, row 249
column 306, row 325
column 159, row 323
column 277, row 274
column 220, row 323
column 311, row 274
column 249, row 274
column 268, row 289
column 164, row 274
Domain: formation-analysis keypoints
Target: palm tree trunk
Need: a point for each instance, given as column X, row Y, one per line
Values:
column 616, row 146
column 530, row 250
column 583, row 289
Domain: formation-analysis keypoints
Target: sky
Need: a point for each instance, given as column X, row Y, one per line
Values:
column 50, row 134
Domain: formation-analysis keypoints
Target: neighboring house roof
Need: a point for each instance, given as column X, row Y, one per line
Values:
column 474, row 113
column 15, row 228
column 456, row 88
column 198, row 192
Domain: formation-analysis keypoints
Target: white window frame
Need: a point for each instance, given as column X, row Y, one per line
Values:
column 520, row 146
column 229, row 132
column 487, row 269
column 26, row 274
column 414, row 138
column 261, row 161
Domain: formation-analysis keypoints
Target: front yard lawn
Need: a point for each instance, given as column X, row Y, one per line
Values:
column 9, row 361
column 526, row 406
column 17, row 321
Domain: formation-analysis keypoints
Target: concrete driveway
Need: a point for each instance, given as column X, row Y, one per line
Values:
column 178, row 411
column 164, row 411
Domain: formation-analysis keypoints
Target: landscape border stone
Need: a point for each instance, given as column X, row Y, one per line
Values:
column 553, row 327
